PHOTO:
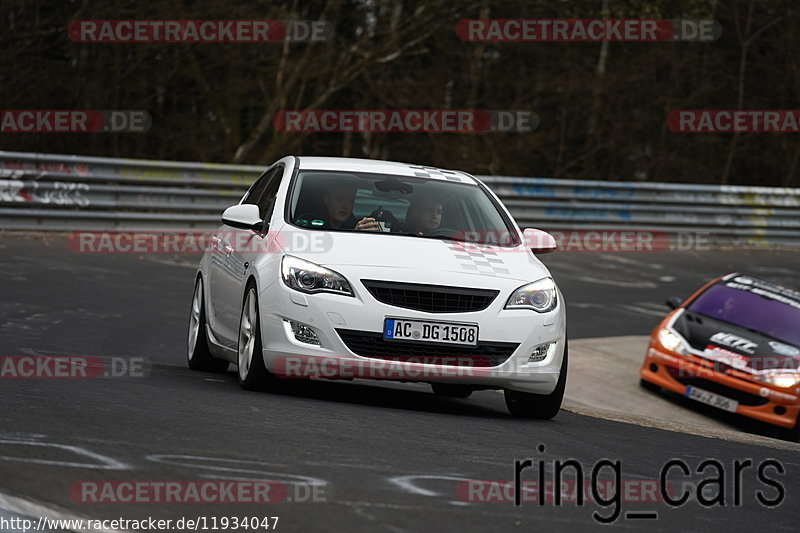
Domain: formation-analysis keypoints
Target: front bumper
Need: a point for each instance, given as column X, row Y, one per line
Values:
column 756, row 400
column 327, row 313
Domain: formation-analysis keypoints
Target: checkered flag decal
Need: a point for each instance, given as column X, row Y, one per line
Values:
column 472, row 258
column 433, row 172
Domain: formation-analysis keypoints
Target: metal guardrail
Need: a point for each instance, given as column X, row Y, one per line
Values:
column 62, row 192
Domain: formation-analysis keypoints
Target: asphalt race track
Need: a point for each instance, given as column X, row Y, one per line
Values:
column 376, row 456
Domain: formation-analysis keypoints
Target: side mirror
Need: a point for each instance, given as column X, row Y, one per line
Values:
column 674, row 302
column 243, row 216
column 540, row 242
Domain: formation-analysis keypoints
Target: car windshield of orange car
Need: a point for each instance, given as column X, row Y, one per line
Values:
column 766, row 312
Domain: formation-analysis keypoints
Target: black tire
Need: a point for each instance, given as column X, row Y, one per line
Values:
column 652, row 387
column 199, row 355
column 539, row 406
column 451, row 390
column 257, row 377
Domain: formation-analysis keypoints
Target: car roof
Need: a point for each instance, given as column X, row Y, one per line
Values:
column 377, row 166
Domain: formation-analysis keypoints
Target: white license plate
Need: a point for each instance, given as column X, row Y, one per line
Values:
column 709, row 398
column 430, row 331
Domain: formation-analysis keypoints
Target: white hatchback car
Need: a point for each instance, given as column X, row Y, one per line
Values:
column 345, row 268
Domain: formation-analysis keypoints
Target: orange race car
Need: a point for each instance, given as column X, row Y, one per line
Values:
column 735, row 345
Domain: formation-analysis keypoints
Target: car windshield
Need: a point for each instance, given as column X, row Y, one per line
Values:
column 400, row 205
column 749, row 310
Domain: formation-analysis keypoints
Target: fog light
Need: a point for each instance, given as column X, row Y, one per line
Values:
column 303, row 333
column 779, row 410
column 541, row 352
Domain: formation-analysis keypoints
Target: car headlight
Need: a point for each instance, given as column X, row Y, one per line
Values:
column 539, row 296
column 308, row 277
column 672, row 341
column 779, row 379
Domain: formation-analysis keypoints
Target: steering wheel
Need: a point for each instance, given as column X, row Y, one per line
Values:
column 441, row 232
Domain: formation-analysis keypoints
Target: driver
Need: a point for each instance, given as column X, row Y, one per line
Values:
column 338, row 201
column 730, row 309
column 423, row 216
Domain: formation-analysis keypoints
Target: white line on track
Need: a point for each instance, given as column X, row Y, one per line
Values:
column 642, row 310
column 618, row 283
column 103, row 462
column 33, row 511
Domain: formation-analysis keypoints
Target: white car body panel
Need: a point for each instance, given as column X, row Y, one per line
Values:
column 364, row 255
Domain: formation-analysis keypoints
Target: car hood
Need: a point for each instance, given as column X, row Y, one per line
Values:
column 735, row 346
column 335, row 249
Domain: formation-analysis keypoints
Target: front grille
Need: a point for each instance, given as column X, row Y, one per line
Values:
column 740, row 396
column 371, row 344
column 430, row 298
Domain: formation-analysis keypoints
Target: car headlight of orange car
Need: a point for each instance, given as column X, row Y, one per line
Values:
column 672, row 341
column 780, row 379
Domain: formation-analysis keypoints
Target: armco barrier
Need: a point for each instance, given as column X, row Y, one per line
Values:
column 61, row 192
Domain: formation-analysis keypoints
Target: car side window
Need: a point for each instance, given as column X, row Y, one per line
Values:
column 257, row 189
column 264, row 192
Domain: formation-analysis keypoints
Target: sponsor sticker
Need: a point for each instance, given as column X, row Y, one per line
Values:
column 721, row 355
column 773, row 292
column 734, row 341
column 784, row 349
